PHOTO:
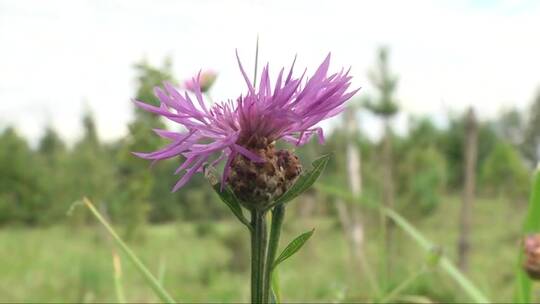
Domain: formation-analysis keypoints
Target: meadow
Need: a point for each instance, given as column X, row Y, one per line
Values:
column 466, row 179
column 208, row 261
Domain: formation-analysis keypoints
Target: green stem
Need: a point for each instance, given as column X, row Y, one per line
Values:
column 444, row 262
column 258, row 254
column 150, row 279
column 278, row 213
column 383, row 256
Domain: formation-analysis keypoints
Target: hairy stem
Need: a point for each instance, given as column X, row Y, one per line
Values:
column 278, row 213
column 258, row 255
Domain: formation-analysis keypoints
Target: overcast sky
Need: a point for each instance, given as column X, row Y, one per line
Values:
column 59, row 56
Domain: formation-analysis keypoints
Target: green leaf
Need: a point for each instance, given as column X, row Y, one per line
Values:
column 304, row 181
column 150, row 279
column 293, row 247
column 531, row 225
column 226, row 195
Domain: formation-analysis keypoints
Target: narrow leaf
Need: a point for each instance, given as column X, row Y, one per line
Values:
column 293, row 247
column 531, row 225
column 226, row 195
column 305, row 180
column 150, row 279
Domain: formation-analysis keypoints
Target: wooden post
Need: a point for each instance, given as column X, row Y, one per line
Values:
column 388, row 201
column 470, row 153
column 349, row 215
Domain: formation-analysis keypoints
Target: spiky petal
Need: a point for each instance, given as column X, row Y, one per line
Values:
column 289, row 109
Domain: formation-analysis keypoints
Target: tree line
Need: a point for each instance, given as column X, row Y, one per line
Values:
column 39, row 184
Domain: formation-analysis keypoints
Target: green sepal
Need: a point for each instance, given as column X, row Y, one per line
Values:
column 226, row 195
column 305, row 181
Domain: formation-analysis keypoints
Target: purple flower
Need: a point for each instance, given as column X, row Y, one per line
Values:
column 288, row 109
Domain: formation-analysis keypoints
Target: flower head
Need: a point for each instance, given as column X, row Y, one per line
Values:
column 205, row 80
column 531, row 246
column 242, row 132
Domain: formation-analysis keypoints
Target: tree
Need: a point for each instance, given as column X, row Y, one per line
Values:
column 386, row 107
column 531, row 142
column 510, row 126
column 138, row 184
column 422, row 170
column 504, row 173
column 91, row 170
column 451, row 142
column 19, row 186
column 52, row 162
column 51, row 145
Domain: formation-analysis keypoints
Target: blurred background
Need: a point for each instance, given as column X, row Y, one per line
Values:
column 446, row 130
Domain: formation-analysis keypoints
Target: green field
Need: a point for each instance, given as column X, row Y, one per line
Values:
column 201, row 262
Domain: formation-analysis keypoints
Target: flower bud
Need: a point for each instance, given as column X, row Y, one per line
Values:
column 531, row 264
column 206, row 80
column 259, row 184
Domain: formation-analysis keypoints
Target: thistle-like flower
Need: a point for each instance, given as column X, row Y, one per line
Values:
column 531, row 264
column 242, row 133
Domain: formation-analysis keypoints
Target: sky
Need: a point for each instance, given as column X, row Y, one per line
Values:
column 60, row 57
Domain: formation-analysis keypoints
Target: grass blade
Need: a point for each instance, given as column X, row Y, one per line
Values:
column 118, row 278
column 445, row 263
column 150, row 279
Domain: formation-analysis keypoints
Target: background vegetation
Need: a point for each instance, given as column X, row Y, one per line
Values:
column 190, row 239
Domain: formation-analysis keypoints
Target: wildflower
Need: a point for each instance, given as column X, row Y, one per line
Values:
column 242, row 133
column 206, row 81
column 531, row 264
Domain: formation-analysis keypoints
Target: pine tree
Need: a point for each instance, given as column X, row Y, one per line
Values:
column 52, row 160
column 51, row 145
column 91, row 170
column 531, row 143
column 19, row 184
column 386, row 107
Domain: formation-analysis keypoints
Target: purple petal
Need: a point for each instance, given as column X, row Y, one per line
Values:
column 252, row 156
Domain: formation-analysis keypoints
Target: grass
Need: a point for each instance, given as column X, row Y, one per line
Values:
column 209, row 261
